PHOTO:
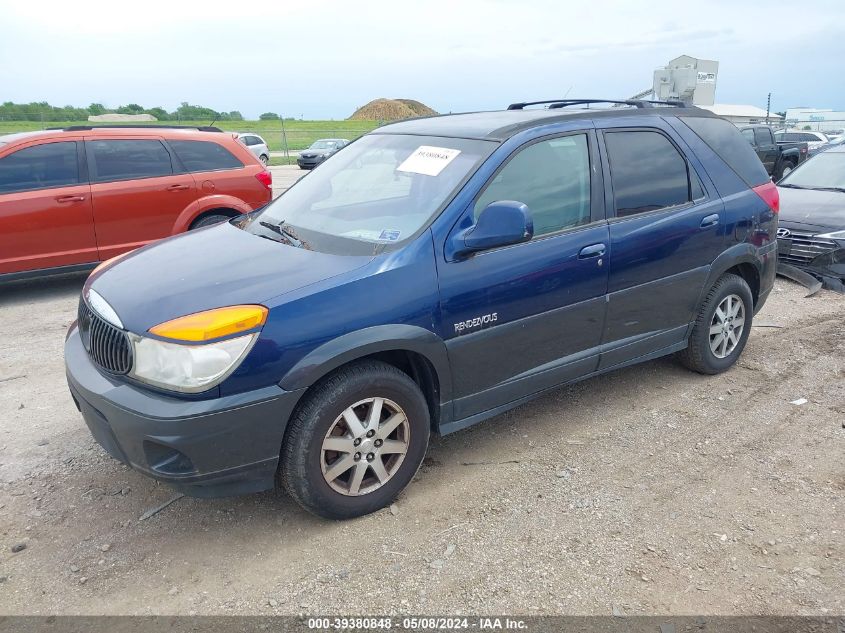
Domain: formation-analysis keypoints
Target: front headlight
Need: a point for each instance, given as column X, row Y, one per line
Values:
column 192, row 361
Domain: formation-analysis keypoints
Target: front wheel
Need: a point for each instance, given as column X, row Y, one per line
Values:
column 356, row 441
column 721, row 328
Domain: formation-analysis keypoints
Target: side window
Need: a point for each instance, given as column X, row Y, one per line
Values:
column 127, row 159
column 552, row 178
column 748, row 133
column 647, row 172
column 763, row 136
column 204, row 156
column 40, row 167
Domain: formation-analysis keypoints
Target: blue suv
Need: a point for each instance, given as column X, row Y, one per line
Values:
column 436, row 272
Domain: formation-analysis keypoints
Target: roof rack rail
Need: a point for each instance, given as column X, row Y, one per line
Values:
column 82, row 128
column 563, row 103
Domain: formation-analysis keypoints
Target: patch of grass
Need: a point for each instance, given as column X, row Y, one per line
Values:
column 299, row 134
column 278, row 161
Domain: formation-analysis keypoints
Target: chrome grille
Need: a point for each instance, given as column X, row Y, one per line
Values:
column 801, row 248
column 107, row 345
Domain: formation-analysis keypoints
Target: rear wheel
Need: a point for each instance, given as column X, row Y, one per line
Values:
column 208, row 220
column 787, row 167
column 721, row 328
column 356, row 441
column 264, row 159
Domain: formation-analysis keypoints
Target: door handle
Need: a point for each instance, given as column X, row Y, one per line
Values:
column 177, row 187
column 63, row 199
column 710, row 220
column 594, row 250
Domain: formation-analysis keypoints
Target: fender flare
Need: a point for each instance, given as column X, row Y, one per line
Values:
column 381, row 338
column 738, row 254
column 206, row 203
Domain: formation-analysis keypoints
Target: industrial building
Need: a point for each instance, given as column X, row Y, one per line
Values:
column 693, row 81
column 819, row 120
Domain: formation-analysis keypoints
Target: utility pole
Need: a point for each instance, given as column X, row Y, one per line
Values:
column 768, row 107
column 285, row 140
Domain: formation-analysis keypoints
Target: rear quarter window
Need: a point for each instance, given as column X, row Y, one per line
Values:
column 204, row 156
column 725, row 139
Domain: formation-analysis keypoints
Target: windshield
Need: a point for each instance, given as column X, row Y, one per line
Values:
column 824, row 171
column 323, row 145
column 379, row 191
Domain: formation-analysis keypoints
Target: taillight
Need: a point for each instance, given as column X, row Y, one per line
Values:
column 768, row 191
column 265, row 178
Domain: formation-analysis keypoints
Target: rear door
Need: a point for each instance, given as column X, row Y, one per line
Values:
column 45, row 208
column 219, row 172
column 767, row 150
column 665, row 233
column 137, row 192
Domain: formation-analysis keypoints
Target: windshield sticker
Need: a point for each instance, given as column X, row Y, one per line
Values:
column 389, row 235
column 428, row 161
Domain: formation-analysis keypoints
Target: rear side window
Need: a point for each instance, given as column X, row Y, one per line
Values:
column 204, row 156
column 724, row 139
column 130, row 159
column 40, row 167
column 763, row 136
column 647, row 172
column 748, row 135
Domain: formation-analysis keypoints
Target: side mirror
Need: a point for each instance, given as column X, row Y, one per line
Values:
column 501, row 223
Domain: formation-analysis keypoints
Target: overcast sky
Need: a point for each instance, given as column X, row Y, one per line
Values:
column 322, row 59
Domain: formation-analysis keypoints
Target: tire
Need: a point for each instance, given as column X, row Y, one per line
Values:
column 264, row 159
column 700, row 354
column 215, row 218
column 306, row 465
column 787, row 167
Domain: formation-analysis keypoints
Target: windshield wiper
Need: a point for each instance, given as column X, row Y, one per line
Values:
column 277, row 228
column 839, row 189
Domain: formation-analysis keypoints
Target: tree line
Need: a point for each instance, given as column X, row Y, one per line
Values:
column 43, row 111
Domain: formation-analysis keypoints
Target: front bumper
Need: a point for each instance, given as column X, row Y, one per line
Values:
column 309, row 162
column 824, row 258
column 204, row 448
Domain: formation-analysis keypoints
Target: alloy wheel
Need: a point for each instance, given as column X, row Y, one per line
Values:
column 727, row 325
column 365, row 446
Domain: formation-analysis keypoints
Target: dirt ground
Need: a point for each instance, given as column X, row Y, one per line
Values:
column 651, row 490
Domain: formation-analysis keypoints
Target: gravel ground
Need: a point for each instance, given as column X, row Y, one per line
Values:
column 650, row 490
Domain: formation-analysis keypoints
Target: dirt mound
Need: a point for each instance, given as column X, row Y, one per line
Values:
column 391, row 110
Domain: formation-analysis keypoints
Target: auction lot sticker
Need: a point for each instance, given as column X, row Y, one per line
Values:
column 428, row 160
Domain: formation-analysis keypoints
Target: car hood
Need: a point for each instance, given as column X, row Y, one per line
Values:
column 209, row 268
column 822, row 209
column 315, row 152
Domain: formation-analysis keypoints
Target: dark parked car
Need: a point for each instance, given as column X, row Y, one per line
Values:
column 435, row 273
column 319, row 151
column 778, row 157
column 811, row 236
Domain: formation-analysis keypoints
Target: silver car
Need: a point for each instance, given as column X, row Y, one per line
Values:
column 256, row 145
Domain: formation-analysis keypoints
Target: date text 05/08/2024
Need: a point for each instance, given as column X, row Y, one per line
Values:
column 417, row 623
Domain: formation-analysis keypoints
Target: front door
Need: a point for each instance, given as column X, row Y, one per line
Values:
column 45, row 209
column 527, row 317
column 137, row 196
column 666, row 232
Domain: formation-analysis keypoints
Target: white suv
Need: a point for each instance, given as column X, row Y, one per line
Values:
column 256, row 145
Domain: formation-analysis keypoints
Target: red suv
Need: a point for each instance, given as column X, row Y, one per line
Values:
column 71, row 198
